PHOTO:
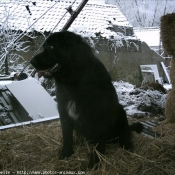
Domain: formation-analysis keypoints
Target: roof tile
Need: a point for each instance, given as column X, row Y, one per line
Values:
column 92, row 18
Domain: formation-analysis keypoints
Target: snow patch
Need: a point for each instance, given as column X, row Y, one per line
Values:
column 139, row 102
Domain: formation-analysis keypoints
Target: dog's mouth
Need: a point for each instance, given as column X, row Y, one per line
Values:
column 49, row 73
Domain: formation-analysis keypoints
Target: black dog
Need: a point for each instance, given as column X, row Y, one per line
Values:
column 87, row 100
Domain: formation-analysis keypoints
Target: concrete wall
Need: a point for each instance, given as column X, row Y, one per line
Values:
column 122, row 62
column 125, row 65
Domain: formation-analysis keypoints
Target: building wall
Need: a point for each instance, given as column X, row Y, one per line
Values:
column 125, row 65
column 122, row 62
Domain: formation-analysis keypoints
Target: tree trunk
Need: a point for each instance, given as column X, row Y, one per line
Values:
column 6, row 66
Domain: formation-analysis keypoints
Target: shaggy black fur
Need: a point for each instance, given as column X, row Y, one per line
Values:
column 87, row 100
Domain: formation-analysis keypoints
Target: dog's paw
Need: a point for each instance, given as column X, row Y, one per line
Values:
column 94, row 161
column 65, row 154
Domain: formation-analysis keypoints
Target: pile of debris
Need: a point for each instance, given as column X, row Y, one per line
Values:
column 148, row 100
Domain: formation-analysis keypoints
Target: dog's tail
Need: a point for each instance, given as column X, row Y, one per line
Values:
column 137, row 127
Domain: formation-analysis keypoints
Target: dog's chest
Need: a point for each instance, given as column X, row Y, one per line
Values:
column 72, row 110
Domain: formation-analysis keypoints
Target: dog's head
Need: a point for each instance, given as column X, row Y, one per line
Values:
column 61, row 51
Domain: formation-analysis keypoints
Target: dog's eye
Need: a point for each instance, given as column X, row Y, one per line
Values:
column 50, row 47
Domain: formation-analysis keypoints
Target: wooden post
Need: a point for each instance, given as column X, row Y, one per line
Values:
column 74, row 14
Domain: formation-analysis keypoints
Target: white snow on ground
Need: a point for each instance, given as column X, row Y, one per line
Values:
column 167, row 86
column 139, row 102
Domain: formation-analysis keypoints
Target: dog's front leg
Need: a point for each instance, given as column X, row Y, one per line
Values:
column 67, row 132
column 94, row 158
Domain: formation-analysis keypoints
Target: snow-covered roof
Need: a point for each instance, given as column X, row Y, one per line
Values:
column 95, row 17
column 150, row 35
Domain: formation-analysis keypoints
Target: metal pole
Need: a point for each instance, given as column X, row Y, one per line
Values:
column 74, row 15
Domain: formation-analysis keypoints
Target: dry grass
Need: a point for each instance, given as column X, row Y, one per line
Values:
column 36, row 148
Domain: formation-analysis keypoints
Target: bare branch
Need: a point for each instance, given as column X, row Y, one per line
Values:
column 11, row 39
column 155, row 12
column 165, row 7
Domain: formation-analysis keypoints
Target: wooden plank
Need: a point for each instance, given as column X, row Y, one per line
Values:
column 167, row 77
column 151, row 68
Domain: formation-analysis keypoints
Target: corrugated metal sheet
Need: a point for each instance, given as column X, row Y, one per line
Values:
column 25, row 102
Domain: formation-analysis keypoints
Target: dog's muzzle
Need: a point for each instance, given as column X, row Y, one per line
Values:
column 48, row 73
